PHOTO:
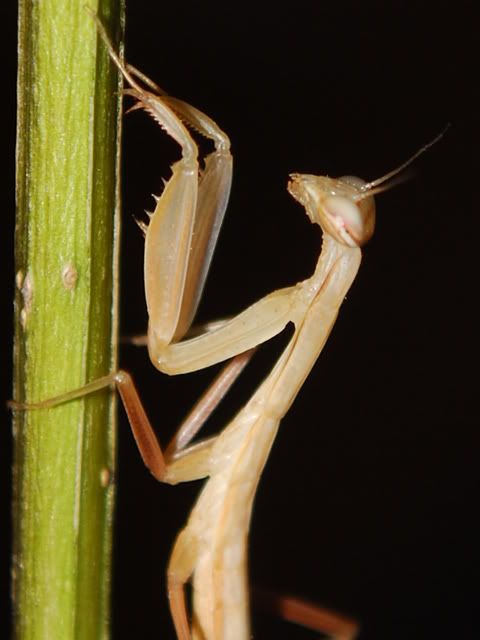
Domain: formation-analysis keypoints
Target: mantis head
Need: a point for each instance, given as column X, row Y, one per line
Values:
column 343, row 207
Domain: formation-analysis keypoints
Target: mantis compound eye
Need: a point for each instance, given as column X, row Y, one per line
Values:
column 351, row 212
column 345, row 219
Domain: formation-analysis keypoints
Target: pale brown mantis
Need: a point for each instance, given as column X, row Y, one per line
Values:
column 179, row 244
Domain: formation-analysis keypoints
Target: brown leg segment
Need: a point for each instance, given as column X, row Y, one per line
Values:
column 307, row 614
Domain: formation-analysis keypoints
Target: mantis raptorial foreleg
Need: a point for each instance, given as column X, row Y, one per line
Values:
column 179, row 242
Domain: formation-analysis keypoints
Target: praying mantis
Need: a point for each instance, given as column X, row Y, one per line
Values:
column 179, row 242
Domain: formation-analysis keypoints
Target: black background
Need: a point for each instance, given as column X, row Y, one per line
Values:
column 368, row 503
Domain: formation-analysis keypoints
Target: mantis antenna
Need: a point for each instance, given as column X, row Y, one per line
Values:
column 372, row 188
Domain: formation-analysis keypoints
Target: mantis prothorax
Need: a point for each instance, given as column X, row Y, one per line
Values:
column 179, row 241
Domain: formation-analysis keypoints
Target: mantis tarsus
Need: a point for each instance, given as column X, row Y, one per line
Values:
column 179, row 242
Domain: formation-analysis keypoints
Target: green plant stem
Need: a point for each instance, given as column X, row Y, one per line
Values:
column 65, row 328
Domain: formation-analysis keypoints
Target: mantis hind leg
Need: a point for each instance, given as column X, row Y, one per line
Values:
column 307, row 614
